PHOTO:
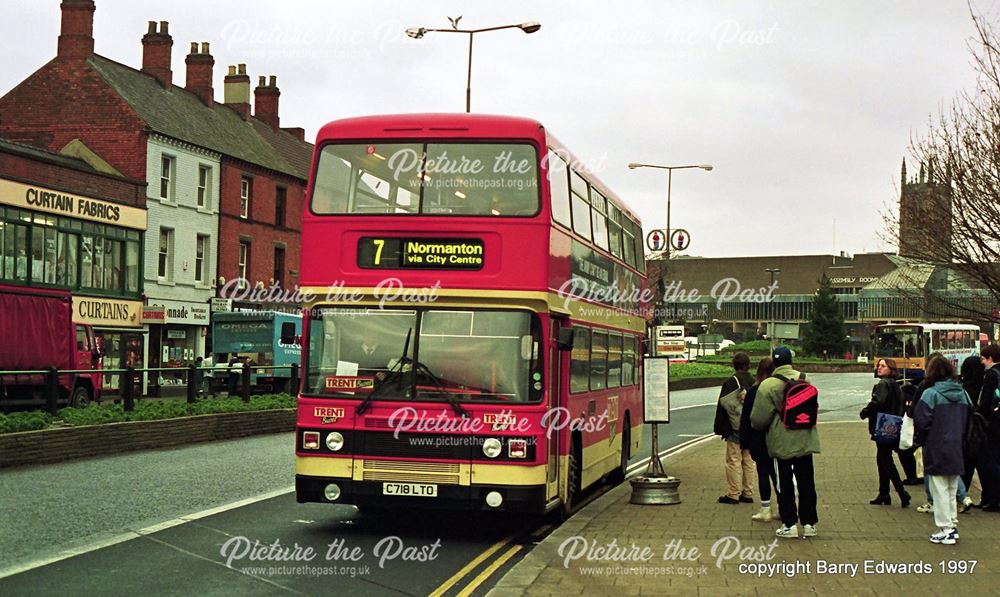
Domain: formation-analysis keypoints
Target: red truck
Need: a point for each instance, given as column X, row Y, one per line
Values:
column 37, row 332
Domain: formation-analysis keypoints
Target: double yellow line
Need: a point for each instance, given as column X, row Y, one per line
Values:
column 474, row 584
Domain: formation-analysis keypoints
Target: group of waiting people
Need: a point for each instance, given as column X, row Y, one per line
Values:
column 758, row 444
column 940, row 406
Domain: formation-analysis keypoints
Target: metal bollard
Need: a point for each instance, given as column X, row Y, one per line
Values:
column 192, row 389
column 245, row 383
column 51, row 390
column 293, row 382
column 128, row 389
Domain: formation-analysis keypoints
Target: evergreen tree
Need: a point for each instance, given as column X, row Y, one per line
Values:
column 826, row 324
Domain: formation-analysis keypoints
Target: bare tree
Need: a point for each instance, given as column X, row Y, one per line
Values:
column 950, row 214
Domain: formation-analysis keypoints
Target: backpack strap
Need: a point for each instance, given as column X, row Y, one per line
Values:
column 781, row 377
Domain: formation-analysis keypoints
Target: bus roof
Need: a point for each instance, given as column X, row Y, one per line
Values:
column 459, row 126
column 931, row 326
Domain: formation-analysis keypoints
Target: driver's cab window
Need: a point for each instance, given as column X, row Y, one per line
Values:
column 82, row 342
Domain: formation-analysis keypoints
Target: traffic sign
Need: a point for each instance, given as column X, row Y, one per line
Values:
column 680, row 239
column 656, row 240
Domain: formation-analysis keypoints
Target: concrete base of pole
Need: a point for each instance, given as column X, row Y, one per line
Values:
column 655, row 491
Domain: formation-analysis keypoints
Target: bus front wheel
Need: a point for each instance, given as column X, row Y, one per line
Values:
column 618, row 476
column 573, row 473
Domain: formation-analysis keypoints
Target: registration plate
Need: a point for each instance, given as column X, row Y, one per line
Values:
column 410, row 489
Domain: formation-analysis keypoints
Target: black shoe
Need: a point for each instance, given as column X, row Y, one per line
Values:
column 917, row 481
column 991, row 508
column 746, row 500
column 882, row 500
column 978, row 505
column 904, row 499
column 727, row 500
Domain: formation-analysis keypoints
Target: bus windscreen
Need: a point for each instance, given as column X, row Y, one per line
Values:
column 461, row 179
column 901, row 343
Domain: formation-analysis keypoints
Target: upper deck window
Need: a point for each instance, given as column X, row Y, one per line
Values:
column 477, row 179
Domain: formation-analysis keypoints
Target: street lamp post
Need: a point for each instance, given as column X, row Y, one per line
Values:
column 418, row 32
column 655, row 466
column 771, row 323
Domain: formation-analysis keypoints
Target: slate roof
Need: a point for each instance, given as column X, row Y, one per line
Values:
column 49, row 156
column 180, row 114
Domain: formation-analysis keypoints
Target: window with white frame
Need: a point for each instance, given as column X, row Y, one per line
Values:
column 166, row 254
column 246, row 193
column 201, row 252
column 166, row 177
column 204, row 182
column 244, row 263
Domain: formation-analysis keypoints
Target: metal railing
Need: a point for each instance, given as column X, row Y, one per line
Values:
column 238, row 376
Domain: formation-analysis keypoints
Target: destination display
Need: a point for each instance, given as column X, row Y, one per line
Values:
column 420, row 253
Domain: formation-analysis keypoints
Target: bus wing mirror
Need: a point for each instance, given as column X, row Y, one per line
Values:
column 288, row 333
column 565, row 338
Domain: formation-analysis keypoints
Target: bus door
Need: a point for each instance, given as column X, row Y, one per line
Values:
column 554, row 437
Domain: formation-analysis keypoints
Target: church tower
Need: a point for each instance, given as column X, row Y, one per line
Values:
column 925, row 220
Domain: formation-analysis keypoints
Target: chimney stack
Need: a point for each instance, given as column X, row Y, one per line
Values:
column 265, row 100
column 156, row 47
column 76, row 38
column 199, row 73
column 236, row 90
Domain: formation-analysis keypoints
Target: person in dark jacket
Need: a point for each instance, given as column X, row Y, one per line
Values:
column 939, row 419
column 886, row 398
column 989, row 458
column 756, row 442
column 971, row 373
column 739, row 466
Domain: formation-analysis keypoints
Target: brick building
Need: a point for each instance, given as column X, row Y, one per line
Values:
column 70, row 221
column 225, row 188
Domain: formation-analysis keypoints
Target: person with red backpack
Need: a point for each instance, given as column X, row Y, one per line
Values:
column 786, row 408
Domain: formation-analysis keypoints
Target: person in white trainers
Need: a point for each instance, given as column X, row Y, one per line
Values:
column 755, row 441
column 792, row 448
column 939, row 419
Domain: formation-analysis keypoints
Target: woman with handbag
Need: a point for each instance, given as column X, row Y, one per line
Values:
column 886, row 398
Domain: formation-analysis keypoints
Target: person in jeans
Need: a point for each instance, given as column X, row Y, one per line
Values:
column 939, row 420
column 792, row 448
column 756, row 442
column 988, row 464
column 886, row 398
column 740, row 469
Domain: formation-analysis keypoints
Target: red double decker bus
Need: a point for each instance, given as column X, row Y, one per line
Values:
column 474, row 316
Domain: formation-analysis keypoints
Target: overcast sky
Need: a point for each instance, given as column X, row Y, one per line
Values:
column 805, row 108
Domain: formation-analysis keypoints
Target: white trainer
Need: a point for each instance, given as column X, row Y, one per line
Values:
column 763, row 516
column 808, row 530
column 787, row 532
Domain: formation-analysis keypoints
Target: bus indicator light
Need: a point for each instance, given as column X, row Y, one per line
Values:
column 517, row 448
column 310, row 440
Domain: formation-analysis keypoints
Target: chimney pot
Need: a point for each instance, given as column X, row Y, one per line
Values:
column 242, row 69
column 232, row 70
column 261, row 82
column 194, row 47
column 156, row 49
column 273, row 82
column 204, row 47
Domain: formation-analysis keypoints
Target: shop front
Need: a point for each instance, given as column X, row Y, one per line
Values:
column 177, row 331
column 118, row 326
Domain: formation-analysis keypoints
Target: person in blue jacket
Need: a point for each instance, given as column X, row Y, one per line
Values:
column 939, row 419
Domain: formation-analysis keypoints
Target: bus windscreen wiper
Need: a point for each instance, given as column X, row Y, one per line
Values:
column 396, row 373
column 448, row 396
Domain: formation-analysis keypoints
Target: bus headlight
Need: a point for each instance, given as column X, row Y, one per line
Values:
column 335, row 441
column 492, row 447
column 332, row 492
column 494, row 499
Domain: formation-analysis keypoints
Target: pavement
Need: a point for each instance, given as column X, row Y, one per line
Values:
column 701, row 547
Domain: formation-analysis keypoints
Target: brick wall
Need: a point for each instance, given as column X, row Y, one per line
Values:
column 70, row 180
column 65, row 100
column 57, row 445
